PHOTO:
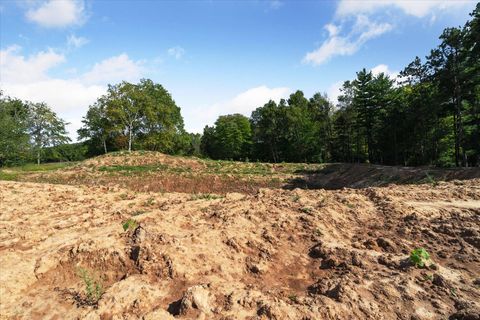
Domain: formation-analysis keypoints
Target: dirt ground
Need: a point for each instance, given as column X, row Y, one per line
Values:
column 272, row 254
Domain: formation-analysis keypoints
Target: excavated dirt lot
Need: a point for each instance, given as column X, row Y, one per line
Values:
column 268, row 254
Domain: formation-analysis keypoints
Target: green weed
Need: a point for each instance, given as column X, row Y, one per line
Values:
column 431, row 179
column 93, row 287
column 205, row 196
column 306, row 209
column 129, row 224
column 419, row 256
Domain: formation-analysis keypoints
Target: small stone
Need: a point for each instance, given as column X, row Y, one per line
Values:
column 197, row 297
column 440, row 281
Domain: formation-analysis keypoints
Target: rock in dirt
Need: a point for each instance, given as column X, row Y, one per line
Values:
column 317, row 251
column 386, row 244
column 440, row 281
column 466, row 314
column 196, row 297
column 333, row 289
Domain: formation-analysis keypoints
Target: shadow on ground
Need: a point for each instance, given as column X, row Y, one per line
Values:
column 340, row 175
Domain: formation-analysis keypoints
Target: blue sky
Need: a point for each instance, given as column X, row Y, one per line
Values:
column 214, row 57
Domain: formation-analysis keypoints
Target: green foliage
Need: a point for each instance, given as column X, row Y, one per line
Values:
column 306, row 209
column 130, row 116
column 230, row 138
column 128, row 170
column 419, row 256
column 46, row 129
column 8, row 176
column 129, row 224
column 14, row 138
column 431, row 179
column 295, row 130
column 15, row 173
column 66, row 152
column 93, row 286
column 205, row 196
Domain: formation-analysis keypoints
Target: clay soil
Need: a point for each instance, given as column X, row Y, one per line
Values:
column 270, row 253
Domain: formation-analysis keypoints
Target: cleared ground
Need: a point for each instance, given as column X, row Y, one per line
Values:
column 261, row 253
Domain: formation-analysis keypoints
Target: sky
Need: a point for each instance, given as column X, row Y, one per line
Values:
column 214, row 57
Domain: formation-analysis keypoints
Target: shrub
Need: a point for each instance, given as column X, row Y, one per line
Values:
column 419, row 256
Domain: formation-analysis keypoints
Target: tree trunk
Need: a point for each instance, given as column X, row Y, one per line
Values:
column 455, row 136
column 130, row 139
column 105, row 145
column 38, row 157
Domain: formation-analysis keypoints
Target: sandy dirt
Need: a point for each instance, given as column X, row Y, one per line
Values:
column 275, row 254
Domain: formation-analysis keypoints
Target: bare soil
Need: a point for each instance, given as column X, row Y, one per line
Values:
column 272, row 253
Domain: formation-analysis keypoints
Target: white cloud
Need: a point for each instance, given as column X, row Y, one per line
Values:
column 383, row 68
column 414, row 8
column 28, row 78
column 19, row 69
column 345, row 45
column 64, row 96
column 243, row 103
column 176, row 52
column 114, row 69
column 334, row 91
column 364, row 29
column 76, row 42
column 57, row 13
column 332, row 29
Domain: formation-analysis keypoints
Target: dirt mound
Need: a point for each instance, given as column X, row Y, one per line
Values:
column 107, row 252
column 157, row 172
column 141, row 158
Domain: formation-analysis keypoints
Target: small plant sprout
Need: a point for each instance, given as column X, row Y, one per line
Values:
column 306, row 209
column 419, row 256
column 93, row 287
column 431, row 179
column 205, row 196
column 129, row 224
column 149, row 202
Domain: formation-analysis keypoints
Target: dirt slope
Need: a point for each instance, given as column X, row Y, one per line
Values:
column 277, row 254
column 154, row 171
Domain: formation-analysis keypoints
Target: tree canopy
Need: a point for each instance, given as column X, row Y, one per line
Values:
column 27, row 129
column 135, row 116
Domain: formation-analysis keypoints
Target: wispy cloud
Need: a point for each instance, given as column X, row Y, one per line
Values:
column 338, row 44
column 176, row 52
column 417, row 9
column 275, row 4
column 76, row 42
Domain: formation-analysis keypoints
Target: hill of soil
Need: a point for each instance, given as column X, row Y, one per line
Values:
column 80, row 249
column 153, row 171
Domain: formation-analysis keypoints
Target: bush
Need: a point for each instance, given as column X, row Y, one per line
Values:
column 419, row 256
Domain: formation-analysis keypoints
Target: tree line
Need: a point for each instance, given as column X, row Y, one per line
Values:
column 430, row 115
